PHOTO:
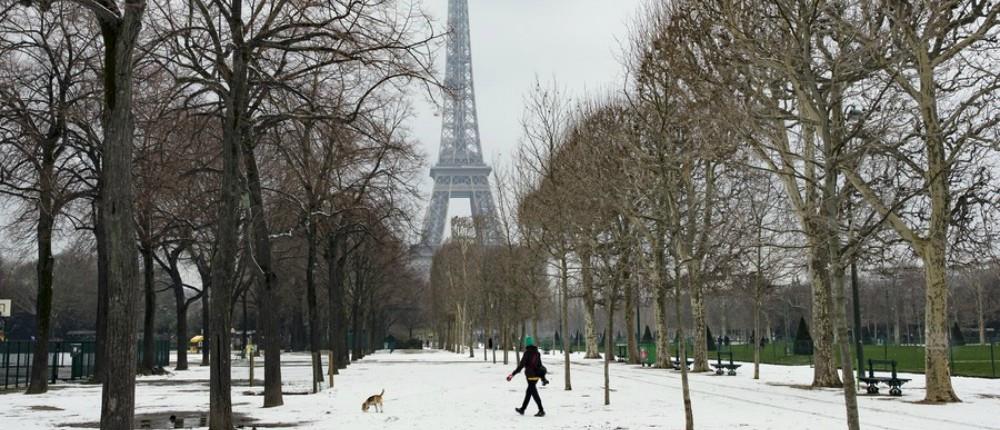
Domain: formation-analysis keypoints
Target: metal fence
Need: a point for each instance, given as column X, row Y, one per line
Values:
column 68, row 361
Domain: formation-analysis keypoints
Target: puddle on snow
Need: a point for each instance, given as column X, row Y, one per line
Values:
column 186, row 420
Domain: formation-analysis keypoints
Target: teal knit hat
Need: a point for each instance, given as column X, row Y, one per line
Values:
column 529, row 341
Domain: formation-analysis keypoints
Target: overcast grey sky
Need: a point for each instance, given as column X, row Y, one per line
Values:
column 576, row 42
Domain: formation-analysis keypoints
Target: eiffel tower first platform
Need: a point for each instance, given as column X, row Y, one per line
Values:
column 460, row 172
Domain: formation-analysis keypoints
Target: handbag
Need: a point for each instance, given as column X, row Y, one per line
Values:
column 540, row 369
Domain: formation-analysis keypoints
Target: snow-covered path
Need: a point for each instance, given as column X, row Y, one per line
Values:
column 441, row 390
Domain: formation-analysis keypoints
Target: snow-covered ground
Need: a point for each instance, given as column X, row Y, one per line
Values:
column 441, row 390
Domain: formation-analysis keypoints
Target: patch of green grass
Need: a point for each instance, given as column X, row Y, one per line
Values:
column 968, row 360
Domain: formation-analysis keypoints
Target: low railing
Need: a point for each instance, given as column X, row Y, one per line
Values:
column 68, row 361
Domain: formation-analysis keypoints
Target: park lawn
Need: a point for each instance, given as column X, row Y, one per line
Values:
column 967, row 360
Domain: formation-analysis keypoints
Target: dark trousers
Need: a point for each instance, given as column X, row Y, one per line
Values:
column 532, row 393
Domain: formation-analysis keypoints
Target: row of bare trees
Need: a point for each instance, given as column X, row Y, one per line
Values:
column 225, row 137
column 759, row 142
column 489, row 293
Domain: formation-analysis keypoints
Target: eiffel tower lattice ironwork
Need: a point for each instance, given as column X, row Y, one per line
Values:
column 460, row 171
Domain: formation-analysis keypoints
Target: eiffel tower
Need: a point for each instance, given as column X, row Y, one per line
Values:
column 460, row 171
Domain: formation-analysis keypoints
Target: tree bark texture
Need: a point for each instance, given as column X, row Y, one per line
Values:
column 843, row 335
column 180, row 307
column 223, row 265
column 314, row 320
column 662, row 287
column 267, row 279
column 936, row 367
column 608, row 340
column 682, row 358
column 700, row 341
column 100, row 339
column 630, row 309
column 590, row 306
column 38, row 380
column 118, row 390
column 149, row 316
column 824, row 368
column 564, row 296
column 335, row 299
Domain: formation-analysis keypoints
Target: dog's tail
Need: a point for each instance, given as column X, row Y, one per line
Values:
column 383, row 393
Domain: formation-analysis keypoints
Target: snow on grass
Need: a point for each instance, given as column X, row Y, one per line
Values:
column 442, row 390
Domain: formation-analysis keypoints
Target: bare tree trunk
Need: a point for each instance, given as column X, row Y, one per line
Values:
column 181, row 331
column 149, row 316
column 356, row 323
column 824, row 368
column 980, row 314
column 223, row 264
column 630, row 303
column 662, row 335
column 590, row 306
column 505, row 339
column 267, row 280
column 724, row 329
column 372, row 315
column 897, row 312
column 100, row 340
column 517, row 347
column 756, row 326
column 471, row 338
column 118, row 390
column 335, row 298
column 937, row 370
column 180, row 307
column 314, row 323
column 564, row 295
column 534, row 325
column 682, row 358
column 38, row 382
column 608, row 337
column 843, row 334
column 220, row 380
column 700, row 342
column 206, row 322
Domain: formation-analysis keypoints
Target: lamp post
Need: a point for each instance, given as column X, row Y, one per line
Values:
column 859, row 345
column 855, row 115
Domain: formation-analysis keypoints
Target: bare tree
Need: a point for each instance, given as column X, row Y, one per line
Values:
column 545, row 126
column 933, row 54
column 43, row 90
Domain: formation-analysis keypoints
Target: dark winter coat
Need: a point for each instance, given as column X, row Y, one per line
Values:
column 531, row 361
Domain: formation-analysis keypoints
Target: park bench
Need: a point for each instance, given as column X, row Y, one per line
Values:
column 725, row 368
column 884, row 366
column 677, row 363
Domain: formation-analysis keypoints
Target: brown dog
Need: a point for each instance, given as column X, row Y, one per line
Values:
column 375, row 401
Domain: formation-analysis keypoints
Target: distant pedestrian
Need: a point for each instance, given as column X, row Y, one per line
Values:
column 534, row 371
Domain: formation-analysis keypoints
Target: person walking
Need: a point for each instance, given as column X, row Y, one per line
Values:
column 531, row 363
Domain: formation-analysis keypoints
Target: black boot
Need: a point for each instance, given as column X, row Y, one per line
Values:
column 519, row 410
column 540, row 414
